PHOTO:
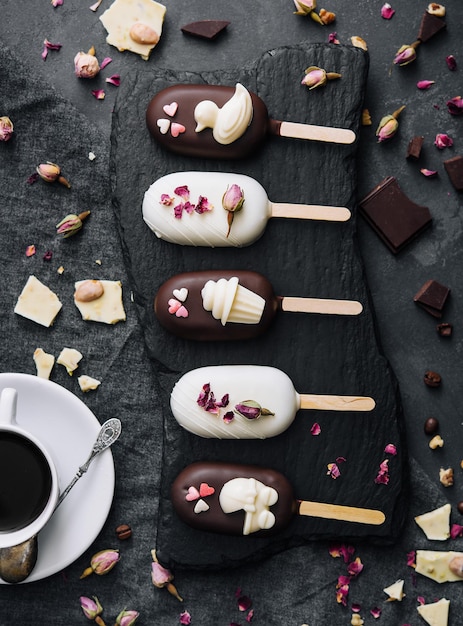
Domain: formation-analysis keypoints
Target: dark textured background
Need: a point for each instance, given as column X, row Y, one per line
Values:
column 299, row 585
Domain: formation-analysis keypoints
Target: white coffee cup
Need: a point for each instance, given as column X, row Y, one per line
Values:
column 29, row 486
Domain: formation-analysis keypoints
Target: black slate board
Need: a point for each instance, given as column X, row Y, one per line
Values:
column 321, row 354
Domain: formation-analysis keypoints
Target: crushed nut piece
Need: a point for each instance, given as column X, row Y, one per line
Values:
column 446, row 476
column 327, row 17
column 436, row 442
column 366, row 117
column 356, row 620
column 436, row 9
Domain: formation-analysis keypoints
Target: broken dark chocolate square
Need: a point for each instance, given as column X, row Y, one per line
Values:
column 395, row 218
column 430, row 26
column 454, row 168
column 206, row 29
column 414, row 148
column 432, row 297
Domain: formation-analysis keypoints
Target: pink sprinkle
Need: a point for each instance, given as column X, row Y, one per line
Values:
column 425, row 84
column 106, row 61
column 390, row 449
column 115, row 79
column 315, row 430
column 99, row 94
column 387, row 11
column 30, row 250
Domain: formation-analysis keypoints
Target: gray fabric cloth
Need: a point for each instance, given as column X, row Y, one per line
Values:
column 294, row 587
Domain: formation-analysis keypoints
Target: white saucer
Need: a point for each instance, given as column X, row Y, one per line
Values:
column 68, row 429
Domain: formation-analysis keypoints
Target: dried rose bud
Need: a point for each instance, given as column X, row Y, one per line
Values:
column 455, row 105
column 86, row 65
column 443, row 141
column 317, row 77
column 232, row 201
column 92, row 609
column 50, row 172
column 101, row 563
column 6, row 128
column 451, row 62
column 162, row 577
column 127, row 618
column 388, row 125
column 71, row 224
column 406, row 54
column 307, row 7
column 251, row 410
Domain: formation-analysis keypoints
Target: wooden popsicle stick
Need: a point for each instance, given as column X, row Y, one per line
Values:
column 339, row 512
column 336, row 403
column 317, row 133
column 310, row 212
column 321, row 305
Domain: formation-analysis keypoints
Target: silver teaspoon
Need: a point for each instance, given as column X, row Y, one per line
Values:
column 17, row 562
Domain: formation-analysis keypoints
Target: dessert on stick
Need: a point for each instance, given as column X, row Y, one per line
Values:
column 219, row 122
column 218, row 209
column 242, row 500
column 231, row 304
column 247, row 402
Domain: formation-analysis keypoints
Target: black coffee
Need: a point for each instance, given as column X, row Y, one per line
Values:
column 25, row 481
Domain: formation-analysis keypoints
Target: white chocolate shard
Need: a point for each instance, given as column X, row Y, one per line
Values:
column 87, row 383
column 120, row 19
column 228, row 301
column 38, row 303
column 69, row 357
column 395, row 591
column 438, row 565
column 43, row 362
column 436, row 524
column 436, row 613
column 108, row 308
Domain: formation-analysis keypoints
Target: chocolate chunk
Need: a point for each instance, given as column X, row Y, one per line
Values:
column 431, row 426
column 430, row 26
column 395, row 218
column 454, row 168
column 445, row 329
column 432, row 297
column 206, row 29
column 414, row 148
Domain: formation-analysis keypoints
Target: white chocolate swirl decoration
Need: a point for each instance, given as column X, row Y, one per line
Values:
column 229, row 122
column 254, row 498
column 228, row 301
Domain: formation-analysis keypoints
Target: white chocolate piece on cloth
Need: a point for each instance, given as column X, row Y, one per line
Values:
column 38, row 303
column 435, row 613
column 108, row 308
column 69, row 357
column 131, row 23
column 43, row 362
column 439, row 565
column 87, row 383
column 395, row 591
column 436, row 524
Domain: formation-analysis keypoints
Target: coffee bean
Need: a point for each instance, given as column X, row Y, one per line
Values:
column 123, row 531
column 432, row 379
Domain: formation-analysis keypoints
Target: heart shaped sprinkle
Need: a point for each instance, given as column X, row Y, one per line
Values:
column 174, row 306
column 176, row 129
column 181, row 312
column 163, row 125
column 170, row 109
column 181, row 294
column 205, row 490
column 193, row 494
column 201, row 506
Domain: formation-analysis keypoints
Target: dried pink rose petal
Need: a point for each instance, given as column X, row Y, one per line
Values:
column 376, row 612
column 183, row 192
column 425, row 84
column 455, row 105
column 390, row 449
column 456, row 531
column 382, row 477
column 95, row 6
column 315, row 430
column 346, row 552
column 333, row 470
column 115, row 79
column 99, row 94
column 333, row 38
column 48, row 255
column 185, row 618
column 443, row 141
column 166, row 200
column 106, row 61
column 341, row 595
column 244, row 603
column 57, row 3
column 411, row 556
column 356, row 608
column 228, row 417
column 451, row 62
column 47, row 45
column 203, row 205
column 387, row 11
column 421, row 600
column 355, row 567
column 428, row 173
column 6, row 128
column 250, row 615
column 30, row 250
